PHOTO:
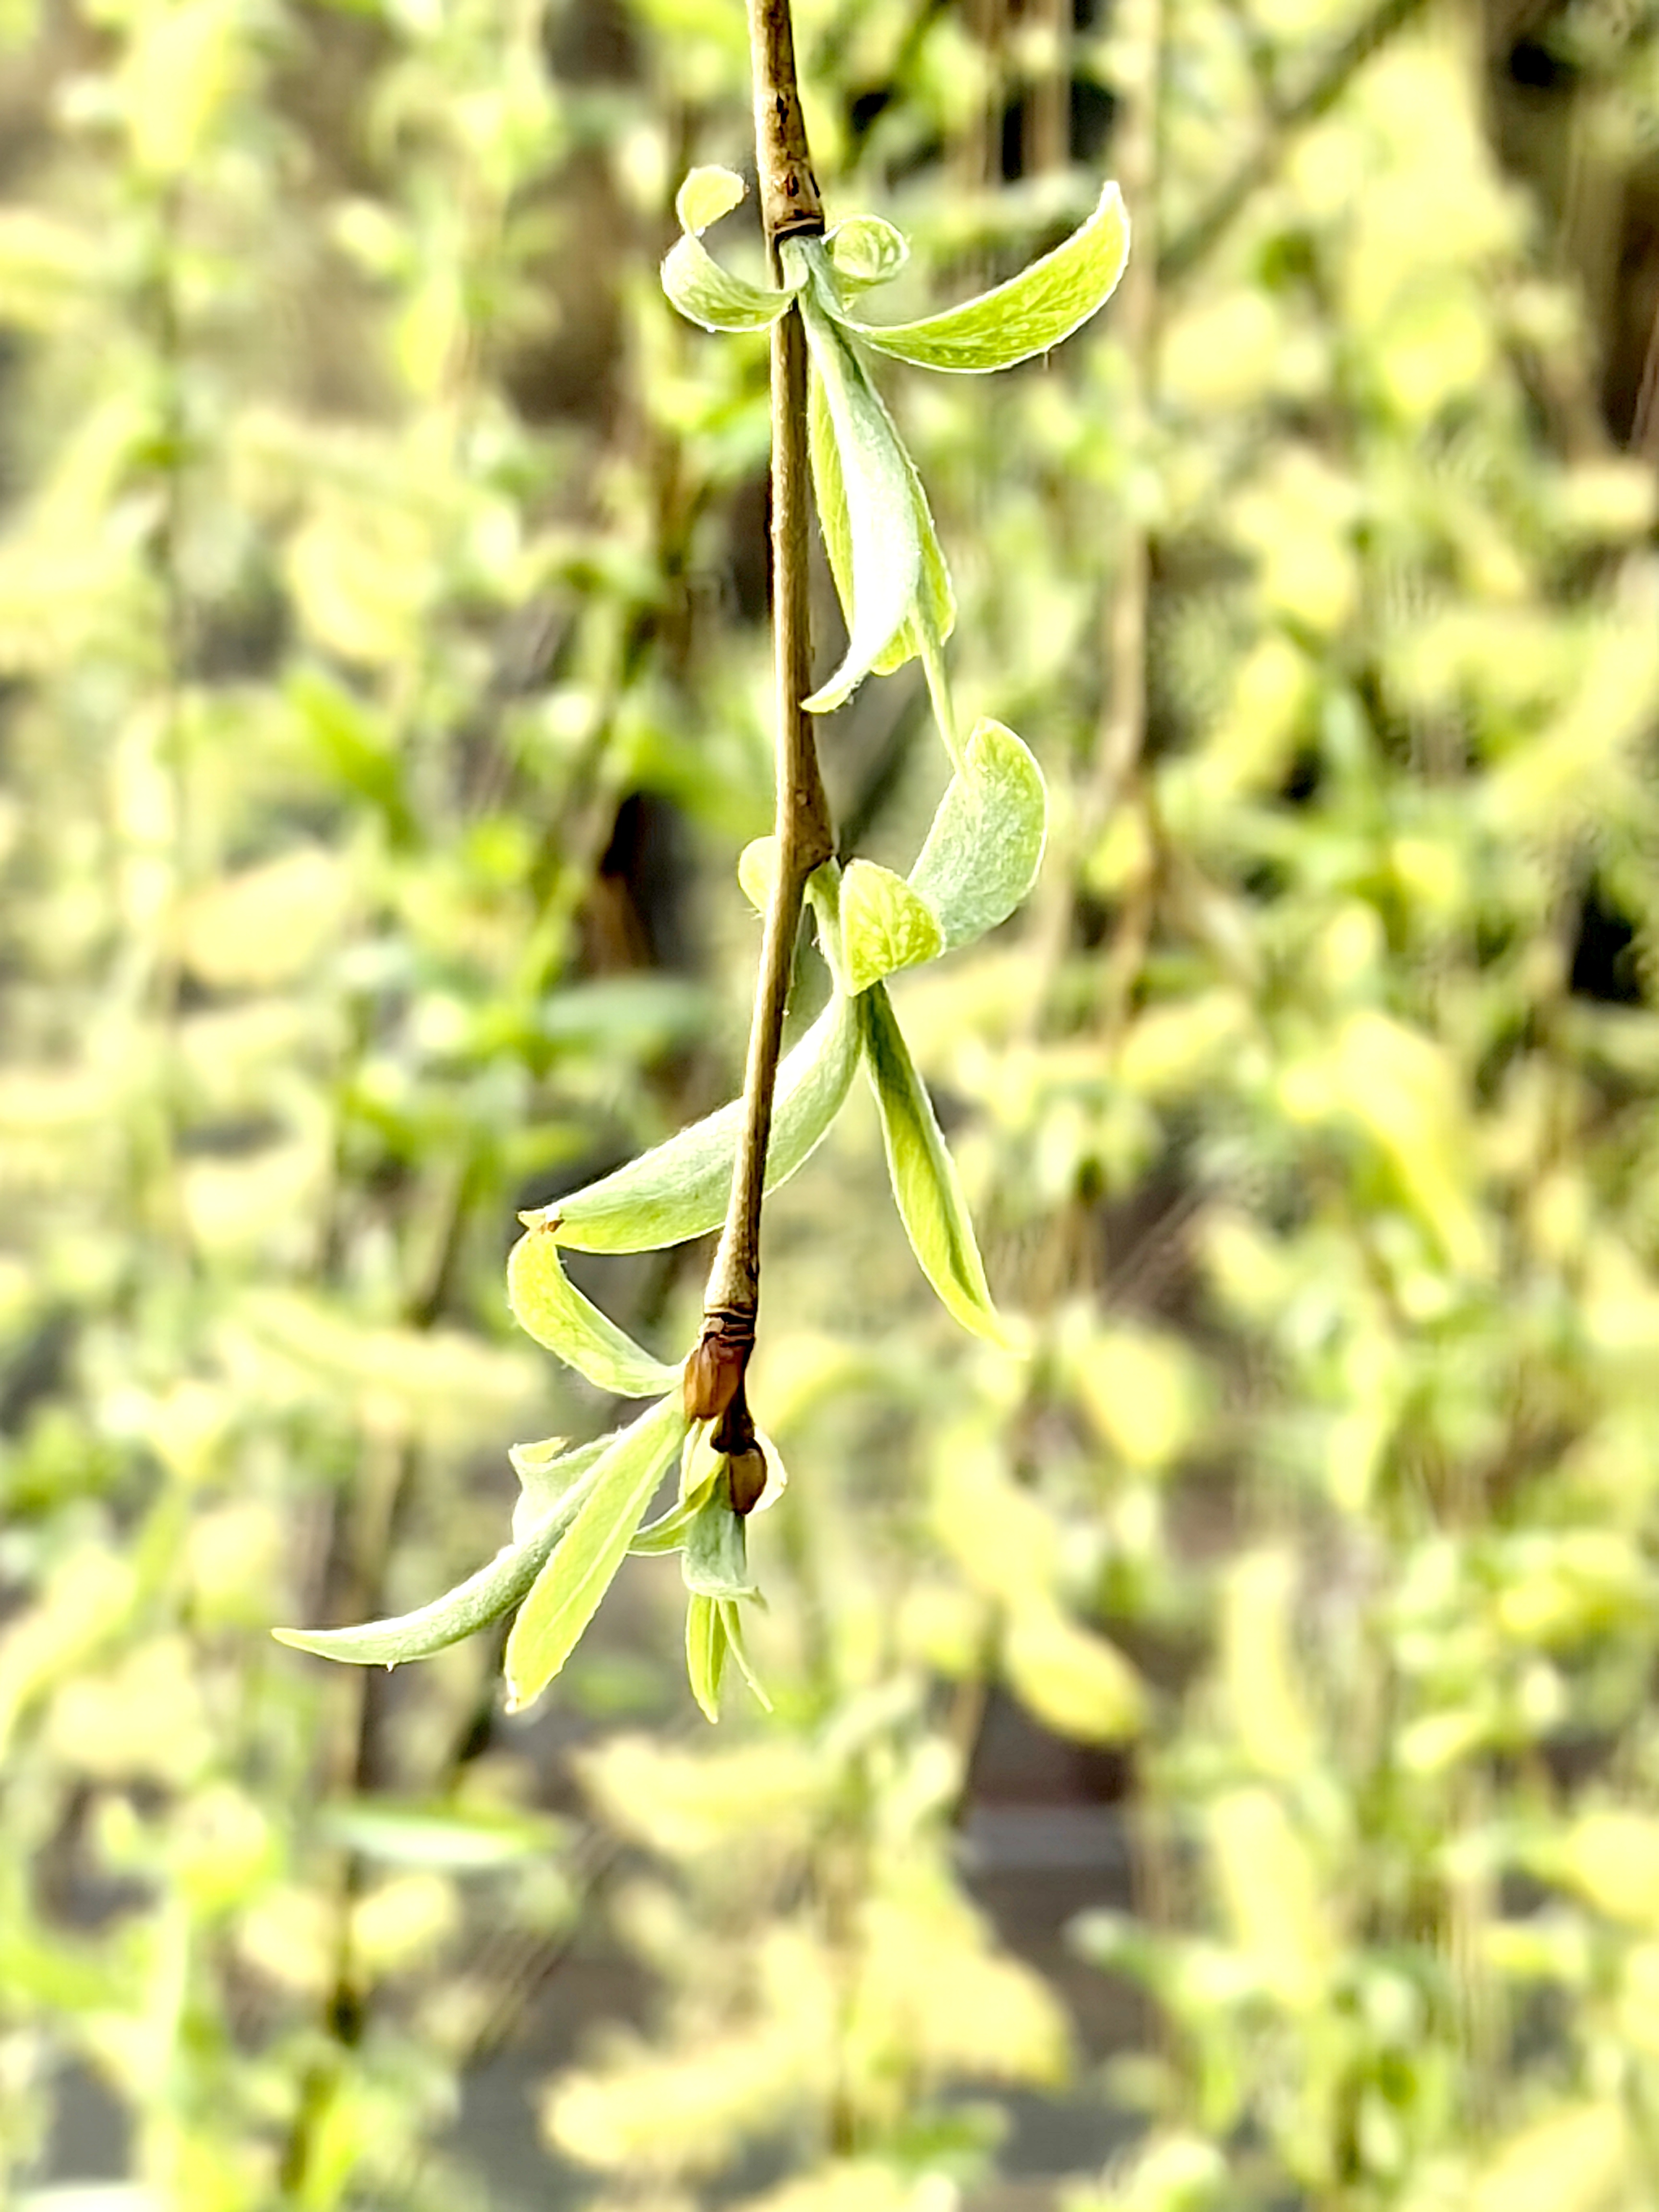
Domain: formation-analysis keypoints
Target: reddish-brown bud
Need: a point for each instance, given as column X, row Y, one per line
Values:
column 747, row 1472
column 714, row 1371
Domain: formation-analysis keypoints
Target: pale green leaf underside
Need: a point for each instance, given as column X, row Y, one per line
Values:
column 705, row 293
column 472, row 1604
column 925, row 1185
column 985, row 848
column 1027, row 315
column 935, row 610
column 680, row 1189
column 548, row 1306
column 714, row 1555
column 885, row 926
column 707, row 193
column 566, row 1595
column 881, row 544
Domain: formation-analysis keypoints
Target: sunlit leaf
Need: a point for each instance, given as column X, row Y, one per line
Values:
column 1074, row 1680
column 707, row 193
column 985, row 847
column 884, row 926
column 757, row 868
column 548, row 1305
column 680, row 1189
column 925, row 1185
column 1030, row 313
column 567, row 1593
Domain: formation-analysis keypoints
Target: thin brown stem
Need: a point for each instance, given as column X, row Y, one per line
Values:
column 790, row 207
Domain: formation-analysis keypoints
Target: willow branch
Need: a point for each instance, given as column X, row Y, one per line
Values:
column 790, row 207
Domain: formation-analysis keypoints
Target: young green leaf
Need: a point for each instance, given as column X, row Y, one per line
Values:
column 865, row 250
column 705, row 1652
column 1027, row 315
column 549, row 1307
column 935, row 609
column 757, row 869
column 883, row 925
column 985, row 848
column 473, row 1604
column 706, row 194
column 680, row 1189
column 714, row 1557
column 567, row 1592
column 705, row 293
column 925, row 1185
column 881, row 542
column 732, row 1616
column 547, row 1472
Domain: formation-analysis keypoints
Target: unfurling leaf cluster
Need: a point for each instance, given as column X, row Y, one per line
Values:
column 582, row 1508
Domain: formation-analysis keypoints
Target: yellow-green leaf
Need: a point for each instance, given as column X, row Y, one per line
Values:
column 567, row 1592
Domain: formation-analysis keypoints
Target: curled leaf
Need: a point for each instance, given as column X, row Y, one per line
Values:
column 548, row 1305
column 884, row 926
column 706, row 292
column 680, row 1189
column 865, row 250
column 985, row 847
column 1027, row 315
column 707, row 193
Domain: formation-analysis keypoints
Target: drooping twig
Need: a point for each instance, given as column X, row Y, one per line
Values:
column 790, row 207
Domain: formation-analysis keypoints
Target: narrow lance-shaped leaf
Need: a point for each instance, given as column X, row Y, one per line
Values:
column 732, row 1615
column 925, row 1185
column 885, row 926
column 935, row 608
column 985, row 847
column 705, row 1652
column 567, row 1592
column 680, row 1189
column 549, row 1307
column 473, row 1604
column 883, row 544
column 1027, row 315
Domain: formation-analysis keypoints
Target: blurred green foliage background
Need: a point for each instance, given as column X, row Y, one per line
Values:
column 382, row 584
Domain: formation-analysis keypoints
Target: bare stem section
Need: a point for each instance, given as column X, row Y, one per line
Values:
column 790, row 207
